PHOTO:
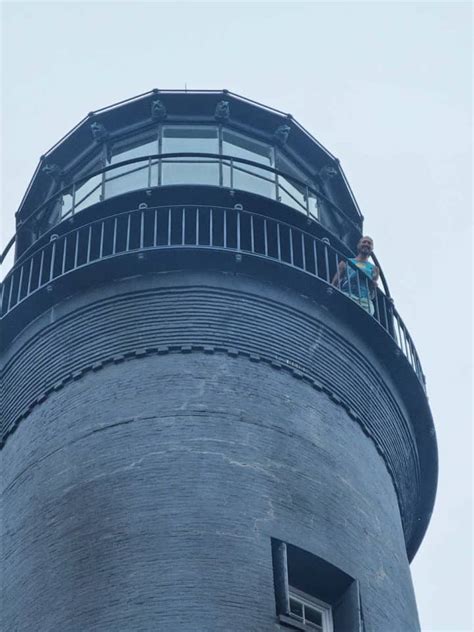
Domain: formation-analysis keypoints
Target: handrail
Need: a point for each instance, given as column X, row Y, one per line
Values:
column 165, row 156
column 6, row 250
column 203, row 227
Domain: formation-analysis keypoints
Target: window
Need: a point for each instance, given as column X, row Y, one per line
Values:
column 89, row 191
column 184, row 139
column 291, row 192
column 313, row 595
column 311, row 612
column 248, row 177
column 133, row 176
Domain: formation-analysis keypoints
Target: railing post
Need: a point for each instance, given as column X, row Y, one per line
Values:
column 127, row 242
column 89, row 243
column 326, row 261
column 315, row 255
column 2, row 293
column 265, row 236
column 238, row 230
column 290, row 233
column 225, row 228
column 73, row 203
column 368, row 289
column 376, row 305
column 359, row 298
column 385, row 313
column 40, row 275
column 211, row 227
column 10, row 291
column 30, row 273
column 114, row 243
column 337, row 272
column 76, row 249
column 53, row 255
column 18, row 293
column 101, row 245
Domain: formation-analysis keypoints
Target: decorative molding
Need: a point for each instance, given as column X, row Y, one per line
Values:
column 281, row 134
column 53, row 170
column 158, row 110
column 222, row 112
column 99, row 132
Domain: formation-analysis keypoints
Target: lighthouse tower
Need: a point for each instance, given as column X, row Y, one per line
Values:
column 202, row 430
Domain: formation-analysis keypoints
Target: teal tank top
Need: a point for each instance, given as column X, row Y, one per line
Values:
column 351, row 284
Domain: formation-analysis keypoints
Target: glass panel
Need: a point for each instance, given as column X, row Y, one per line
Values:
column 242, row 147
column 289, row 191
column 184, row 170
column 296, row 608
column 89, row 192
column 291, row 194
column 263, row 182
column 313, row 204
column 122, row 152
column 135, row 175
column 313, row 616
column 128, row 181
column 66, row 204
column 249, row 178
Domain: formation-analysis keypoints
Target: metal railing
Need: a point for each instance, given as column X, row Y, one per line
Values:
column 204, row 227
column 147, row 172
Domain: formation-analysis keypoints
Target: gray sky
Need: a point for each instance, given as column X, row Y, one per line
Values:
column 386, row 87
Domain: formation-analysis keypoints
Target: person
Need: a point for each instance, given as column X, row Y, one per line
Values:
column 355, row 285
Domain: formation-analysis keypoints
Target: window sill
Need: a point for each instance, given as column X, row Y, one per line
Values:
column 294, row 624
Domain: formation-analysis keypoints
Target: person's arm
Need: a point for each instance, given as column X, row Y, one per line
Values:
column 375, row 277
column 341, row 268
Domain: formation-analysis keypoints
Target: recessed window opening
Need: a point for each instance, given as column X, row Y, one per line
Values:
column 312, row 594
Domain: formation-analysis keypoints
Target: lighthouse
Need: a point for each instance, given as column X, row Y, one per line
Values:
column 205, row 427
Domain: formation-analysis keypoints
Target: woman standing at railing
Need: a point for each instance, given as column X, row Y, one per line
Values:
column 359, row 286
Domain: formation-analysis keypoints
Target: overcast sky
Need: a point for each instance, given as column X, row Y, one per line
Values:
column 386, row 87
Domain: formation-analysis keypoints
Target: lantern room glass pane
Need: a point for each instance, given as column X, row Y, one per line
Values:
column 88, row 193
column 186, row 169
column 290, row 191
column 66, row 204
column 135, row 175
column 245, row 176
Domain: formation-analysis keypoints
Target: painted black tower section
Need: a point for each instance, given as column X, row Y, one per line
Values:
column 200, row 431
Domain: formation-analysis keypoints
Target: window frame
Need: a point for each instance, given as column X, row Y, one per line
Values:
column 324, row 609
